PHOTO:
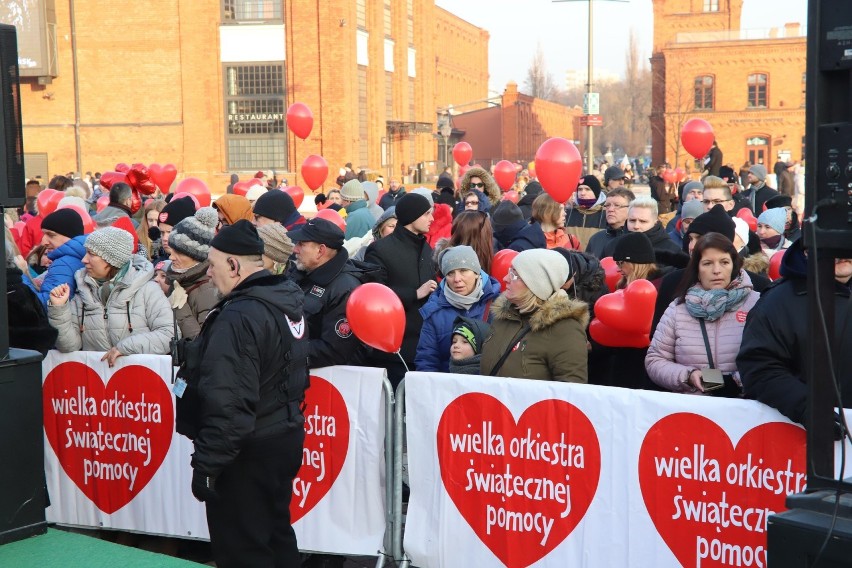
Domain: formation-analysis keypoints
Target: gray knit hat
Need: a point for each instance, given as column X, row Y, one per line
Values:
column 352, row 190
column 192, row 236
column 543, row 271
column 276, row 244
column 759, row 171
column 112, row 244
column 458, row 257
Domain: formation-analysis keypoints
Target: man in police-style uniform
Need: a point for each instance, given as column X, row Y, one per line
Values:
column 239, row 392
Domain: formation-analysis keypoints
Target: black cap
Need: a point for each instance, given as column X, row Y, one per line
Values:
column 716, row 220
column 275, row 205
column 613, row 172
column 241, row 239
column 635, row 248
column 65, row 222
column 176, row 211
column 319, row 231
column 779, row 201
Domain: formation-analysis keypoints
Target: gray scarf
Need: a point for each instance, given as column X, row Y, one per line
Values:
column 464, row 302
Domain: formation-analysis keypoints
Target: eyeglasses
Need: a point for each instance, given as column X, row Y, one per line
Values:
column 513, row 276
column 714, row 201
column 477, row 185
column 468, row 203
column 614, row 206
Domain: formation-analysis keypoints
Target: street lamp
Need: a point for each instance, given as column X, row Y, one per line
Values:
column 446, row 132
column 591, row 100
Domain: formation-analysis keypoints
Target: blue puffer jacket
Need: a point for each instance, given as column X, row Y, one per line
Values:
column 65, row 261
column 433, row 348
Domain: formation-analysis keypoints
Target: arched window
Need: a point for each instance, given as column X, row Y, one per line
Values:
column 704, row 92
column 757, row 86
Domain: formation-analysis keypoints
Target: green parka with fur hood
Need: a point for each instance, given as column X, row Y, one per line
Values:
column 553, row 350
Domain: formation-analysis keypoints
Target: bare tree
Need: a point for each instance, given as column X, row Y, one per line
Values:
column 539, row 82
column 679, row 104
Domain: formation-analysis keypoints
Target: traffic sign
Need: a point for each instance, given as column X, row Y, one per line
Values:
column 591, row 103
column 591, row 120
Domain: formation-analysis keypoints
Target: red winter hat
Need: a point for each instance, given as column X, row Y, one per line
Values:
column 258, row 175
column 126, row 224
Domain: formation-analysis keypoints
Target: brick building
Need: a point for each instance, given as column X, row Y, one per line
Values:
column 748, row 84
column 206, row 86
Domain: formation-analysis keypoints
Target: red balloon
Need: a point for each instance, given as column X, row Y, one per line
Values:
column 122, row 167
column 697, row 137
column 241, row 188
column 631, row 310
column 163, row 176
column 139, row 178
column 669, row 175
column 88, row 222
column 135, row 202
column 376, row 316
column 500, row 265
column 558, row 165
column 612, row 337
column 462, row 153
column 775, row 265
column 300, row 120
column 504, row 174
column 612, row 276
column 314, row 171
column 109, row 178
column 182, row 194
column 680, row 175
column 333, row 216
column 297, row 193
column 255, row 181
column 19, row 228
column 746, row 215
column 512, row 196
column 195, row 187
column 47, row 201
column 103, row 201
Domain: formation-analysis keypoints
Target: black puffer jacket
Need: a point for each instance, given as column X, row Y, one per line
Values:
column 251, row 342
column 406, row 263
column 327, row 290
column 774, row 351
column 28, row 325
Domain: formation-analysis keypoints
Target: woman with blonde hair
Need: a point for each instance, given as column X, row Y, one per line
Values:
column 150, row 218
column 634, row 256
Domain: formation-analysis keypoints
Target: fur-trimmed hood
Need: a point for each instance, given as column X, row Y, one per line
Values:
column 558, row 307
column 491, row 190
column 757, row 263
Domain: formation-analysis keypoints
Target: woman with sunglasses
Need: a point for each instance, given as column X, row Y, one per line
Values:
column 478, row 182
column 538, row 332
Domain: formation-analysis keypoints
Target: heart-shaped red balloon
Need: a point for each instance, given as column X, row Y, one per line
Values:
column 746, row 215
column 697, row 137
column 611, row 337
column 612, row 275
column 558, row 164
column 504, row 174
column 300, row 120
column 668, row 175
column 500, row 265
column 109, row 178
column 775, row 265
column 241, row 188
column 680, row 175
column 314, row 171
column 139, row 179
column 47, row 201
column 197, row 188
column 630, row 310
column 333, row 216
column 462, row 154
column 122, row 167
column 163, row 176
column 297, row 193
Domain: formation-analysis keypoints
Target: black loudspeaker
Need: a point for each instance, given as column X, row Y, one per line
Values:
column 22, row 483
column 12, row 177
column 796, row 537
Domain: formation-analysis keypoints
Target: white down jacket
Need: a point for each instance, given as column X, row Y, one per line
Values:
column 137, row 318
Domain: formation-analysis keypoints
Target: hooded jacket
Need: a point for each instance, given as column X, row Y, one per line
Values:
column 678, row 343
column 530, row 237
column 372, row 191
column 433, row 348
column 390, row 198
column 531, row 191
column 359, row 220
column 250, row 375
column 593, row 217
column 442, row 224
column 491, row 189
column 136, row 319
column 774, row 352
column 65, row 262
column 553, row 350
column 193, row 297
column 234, row 208
column 503, row 236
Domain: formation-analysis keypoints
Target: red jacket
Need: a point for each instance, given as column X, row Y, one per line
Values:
column 31, row 236
column 442, row 224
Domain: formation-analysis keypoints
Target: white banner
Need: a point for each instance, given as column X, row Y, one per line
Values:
column 519, row 473
column 113, row 459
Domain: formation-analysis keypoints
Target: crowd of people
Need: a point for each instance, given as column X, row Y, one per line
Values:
column 248, row 287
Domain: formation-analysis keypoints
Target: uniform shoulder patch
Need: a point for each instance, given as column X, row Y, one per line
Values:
column 296, row 328
column 317, row 291
column 343, row 329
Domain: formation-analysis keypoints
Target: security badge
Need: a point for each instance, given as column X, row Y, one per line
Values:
column 179, row 388
column 317, row 291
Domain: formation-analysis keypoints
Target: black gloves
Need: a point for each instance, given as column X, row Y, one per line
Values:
column 203, row 486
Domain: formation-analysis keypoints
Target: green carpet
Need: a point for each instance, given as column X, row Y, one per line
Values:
column 63, row 549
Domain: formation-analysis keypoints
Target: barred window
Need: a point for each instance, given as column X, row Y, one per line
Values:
column 254, row 102
column 704, row 92
column 711, row 5
column 251, row 10
column 757, row 83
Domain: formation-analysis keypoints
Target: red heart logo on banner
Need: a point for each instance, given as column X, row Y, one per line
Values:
column 110, row 439
column 326, row 446
column 710, row 500
column 522, row 486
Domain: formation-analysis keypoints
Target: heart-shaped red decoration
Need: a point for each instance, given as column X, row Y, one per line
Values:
column 139, row 178
column 163, row 176
column 326, row 446
column 552, row 449
column 630, row 310
column 110, row 178
column 110, row 439
column 611, row 337
column 676, row 474
column 612, row 275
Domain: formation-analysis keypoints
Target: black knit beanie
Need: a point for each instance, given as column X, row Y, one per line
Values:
column 716, row 220
column 241, row 239
column 505, row 214
column 275, row 205
column 176, row 211
column 65, row 222
column 635, row 248
column 410, row 208
column 593, row 184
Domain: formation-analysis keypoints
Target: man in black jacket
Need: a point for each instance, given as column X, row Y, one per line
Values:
column 758, row 192
column 615, row 208
column 643, row 217
column 406, row 260
column 239, row 391
column 774, row 350
column 326, row 275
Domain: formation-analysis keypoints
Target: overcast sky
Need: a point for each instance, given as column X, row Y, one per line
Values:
column 517, row 26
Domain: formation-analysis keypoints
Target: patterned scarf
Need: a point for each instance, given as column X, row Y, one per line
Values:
column 710, row 305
